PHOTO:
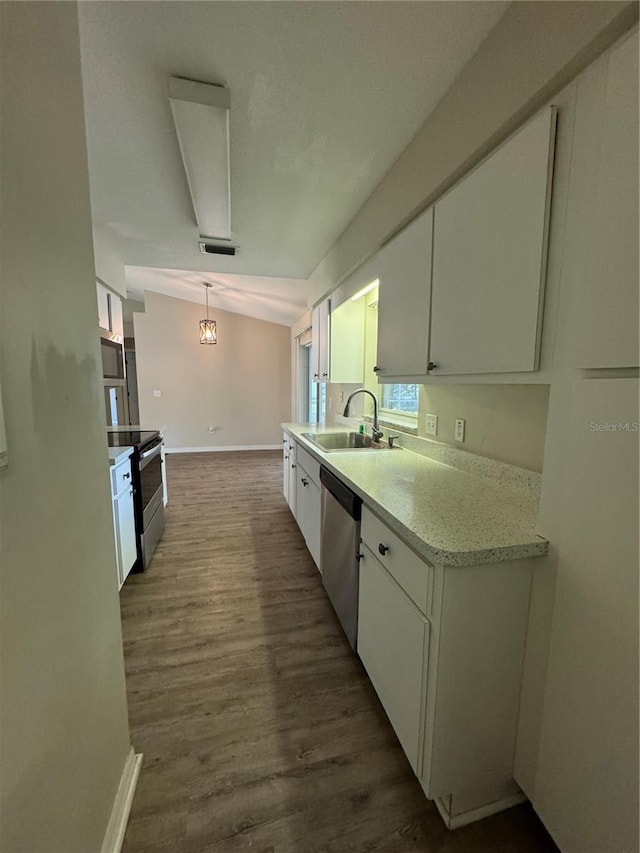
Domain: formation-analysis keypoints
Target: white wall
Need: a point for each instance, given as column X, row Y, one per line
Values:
column 240, row 386
column 65, row 734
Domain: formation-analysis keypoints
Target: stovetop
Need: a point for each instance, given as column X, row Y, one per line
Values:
column 137, row 438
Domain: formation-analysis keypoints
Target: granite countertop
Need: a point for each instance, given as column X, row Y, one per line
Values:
column 119, row 454
column 449, row 516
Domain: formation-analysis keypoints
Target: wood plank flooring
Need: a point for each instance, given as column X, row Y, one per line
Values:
column 259, row 727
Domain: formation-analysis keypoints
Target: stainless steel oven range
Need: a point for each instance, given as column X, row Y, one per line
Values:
column 147, row 475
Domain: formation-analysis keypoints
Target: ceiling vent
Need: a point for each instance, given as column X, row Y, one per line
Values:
column 212, row 249
column 201, row 116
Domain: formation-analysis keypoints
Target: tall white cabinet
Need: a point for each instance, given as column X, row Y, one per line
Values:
column 583, row 780
column 602, row 226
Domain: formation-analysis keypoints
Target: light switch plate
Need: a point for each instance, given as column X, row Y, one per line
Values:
column 431, row 424
column 459, row 430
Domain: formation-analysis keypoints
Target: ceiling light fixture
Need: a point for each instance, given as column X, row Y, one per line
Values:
column 208, row 330
column 201, row 116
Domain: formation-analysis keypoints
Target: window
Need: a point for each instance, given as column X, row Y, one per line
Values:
column 400, row 398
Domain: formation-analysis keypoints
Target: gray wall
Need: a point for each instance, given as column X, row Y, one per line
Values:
column 65, row 734
column 240, row 386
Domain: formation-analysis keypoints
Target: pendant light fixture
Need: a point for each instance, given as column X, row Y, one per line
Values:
column 208, row 332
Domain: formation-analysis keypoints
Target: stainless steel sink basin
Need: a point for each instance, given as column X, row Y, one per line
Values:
column 330, row 441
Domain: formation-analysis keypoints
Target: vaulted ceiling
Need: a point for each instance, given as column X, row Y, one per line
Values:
column 324, row 97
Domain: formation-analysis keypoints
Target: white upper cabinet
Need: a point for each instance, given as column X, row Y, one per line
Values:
column 104, row 318
column 320, row 342
column 404, row 270
column 347, row 342
column 110, row 311
column 601, row 264
column 489, row 258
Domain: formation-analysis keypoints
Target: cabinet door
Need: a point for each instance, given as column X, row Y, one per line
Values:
column 601, row 261
column 126, row 533
column 489, row 259
column 285, row 466
column 117, row 321
column 392, row 644
column 320, row 341
column 291, row 496
column 309, row 513
column 404, row 270
column 347, row 342
column 103, row 307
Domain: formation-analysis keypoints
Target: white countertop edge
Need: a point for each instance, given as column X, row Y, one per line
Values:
column 119, row 454
column 536, row 547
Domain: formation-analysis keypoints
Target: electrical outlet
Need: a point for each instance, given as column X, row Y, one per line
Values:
column 210, row 428
column 431, row 424
column 342, row 396
column 459, row 430
column 157, row 393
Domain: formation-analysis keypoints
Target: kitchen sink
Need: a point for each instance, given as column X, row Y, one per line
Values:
column 329, row 441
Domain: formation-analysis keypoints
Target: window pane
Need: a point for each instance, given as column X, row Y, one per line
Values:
column 400, row 398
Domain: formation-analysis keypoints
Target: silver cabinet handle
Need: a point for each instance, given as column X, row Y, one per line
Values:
column 432, row 365
column 304, row 482
column 383, row 549
column 126, row 476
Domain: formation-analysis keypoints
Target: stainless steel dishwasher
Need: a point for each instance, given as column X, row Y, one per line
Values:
column 340, row 549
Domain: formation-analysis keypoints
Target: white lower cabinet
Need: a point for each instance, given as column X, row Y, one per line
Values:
column 285, row 466
column 124, row 524
column 301, row 488
column 309, row 512
column 126, row 533
column 290, row 473
column 445, row 655
column 393, row 645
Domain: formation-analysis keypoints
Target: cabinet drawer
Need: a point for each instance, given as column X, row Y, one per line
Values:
column 121, row 477
column 414, row 575
column 310, row 465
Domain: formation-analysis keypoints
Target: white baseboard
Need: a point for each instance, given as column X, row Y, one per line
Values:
column 114, row 835
column 462, row 819
column 222, row 449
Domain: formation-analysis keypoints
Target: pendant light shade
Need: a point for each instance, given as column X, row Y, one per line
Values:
column 208, row 329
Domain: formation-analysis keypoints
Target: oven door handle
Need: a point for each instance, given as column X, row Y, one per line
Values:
column 153, row 452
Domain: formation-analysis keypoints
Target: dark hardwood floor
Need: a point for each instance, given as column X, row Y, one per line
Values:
column 259, row 727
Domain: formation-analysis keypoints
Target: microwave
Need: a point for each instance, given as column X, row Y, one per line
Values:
column 112, row 352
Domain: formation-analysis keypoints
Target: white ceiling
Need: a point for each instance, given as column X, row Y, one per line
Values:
column 278, row 300
column 324, row 98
